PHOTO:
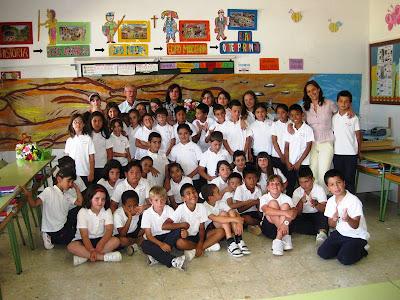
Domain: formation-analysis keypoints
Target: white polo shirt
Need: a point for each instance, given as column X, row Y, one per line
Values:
column 79, row 148
column 95, row 224
column 159, row 163
column 120, row 144
column 120, row 219
column 101, row 144
column 344, row 129
column 236, row 170
column 263, row 181
column 317, row 193
column 202, row 141
column 175, row 190
column 188, row 156
column 110, row 189
column 56, row 205
column 131, row 132
column 279, row 129
column 167, row 134
column 236, row 136
column 142, row 134
column 142, row 189
column 194, row 218
column 210, row 159
column 242, row 193
column 354, row 209
column 282, row 199
column 261, row 133
column 81, row 186
column 175, row 129
column 124, row 107
column 220, row 183
column 298, row 143
column 220, row 206
column 154, row 221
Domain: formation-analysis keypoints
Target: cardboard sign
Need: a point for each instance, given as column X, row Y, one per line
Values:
column 239, row 47
column 68, row 51
column 14, row 53
column 186, row 48
column 128, row 50
column 269, row 63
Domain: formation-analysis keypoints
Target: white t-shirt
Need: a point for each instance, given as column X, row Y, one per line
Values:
column 344, row 129
column 56, row 205
column 95, row 224
column 202, row 141
column 188, row 156
column 167, row 134
column 220, row 183
column 263, row 181
column 110, row 189
column 298, row 143
column 279, row 129
column 120, row 219
column 120, row 144
column 282, row 199
column 220, row 206
column 142, row 134
column 194, row 218
column 154, row 221
column 237, row 136
column 131, row 132
column 354, row 209
column 317, row 193
column 175, row 129
column 242, row 193
column 101, row 144
column 79, row 148
column 210, row 159
column 175, row 189
column 142, row 189
column 159, row 163
column 261, row 133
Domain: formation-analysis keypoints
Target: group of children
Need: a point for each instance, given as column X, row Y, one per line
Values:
column 189, row 186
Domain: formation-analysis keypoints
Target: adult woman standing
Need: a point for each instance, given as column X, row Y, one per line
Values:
column 172, row 98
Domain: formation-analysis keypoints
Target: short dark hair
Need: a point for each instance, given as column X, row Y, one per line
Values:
column 91, row 191
column 114, row 121
column 333, row 173
column 282, row 106
column 235, row 103
column 221, row 163
column 235, row 175
column 184, row 126
column 203, row 107
column 216, row 136
column 305, row 172
column 146, row 158
column 153, row 135
column 111, row 164
column 179, row 108
column 130, row 194
column 274, row 176
column 185, row 187
column 132, row 164
column 66, row 172
column 226, row 94
column 175, row 164
column 238, row 153
column 250, row 170
column 161, row 111
column 296, row 107
column 66, row 161
column 260, row 105
column 218, row 107
column 207, row 190
column 345, row 93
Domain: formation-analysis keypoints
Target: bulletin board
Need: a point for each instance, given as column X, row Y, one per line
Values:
column 384, row 62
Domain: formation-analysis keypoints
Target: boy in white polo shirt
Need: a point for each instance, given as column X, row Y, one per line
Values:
column 202, row 124
column 180, row 115
column 58, row 215
column 166, row 131
column 348, row 242
column 160, row 160
column 278, row 132
column 347, row 140
column 297, row 146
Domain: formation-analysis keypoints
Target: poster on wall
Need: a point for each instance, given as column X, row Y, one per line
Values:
column 128, row 50
column 194, row 31
column 134, row 32
column 14, row 33
column 73, row 33
column 10, row 75
column 14, row 53
column 68, row 51
column 187, row 48
column 269, row 63
column 242, row 19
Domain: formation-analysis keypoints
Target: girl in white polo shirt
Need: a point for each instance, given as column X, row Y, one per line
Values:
column 93, row 240
column 264, row 166
column 81, row 148
column 142, row 136
column 224, row 169
column 261, row 130
column 177, row 180
column 120, row 144
column 111, row 177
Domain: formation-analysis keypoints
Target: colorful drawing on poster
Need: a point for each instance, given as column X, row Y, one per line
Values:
column 242, row 19
column 128, row 50
column 10, row 75
column 334, row 26
column 111, row 27
column 73, row 33
column 296, row 64
column 134, row 32
column 239, row 47
column 270, row 63
column 194, row 31
column 50, row 24
column 187, row 48
column 68, row 51
column 220, row 24
column 296, row 16
column 170, row 27
column 392, row 18
column 245, row 36
column 14, row 53
column 15, row 33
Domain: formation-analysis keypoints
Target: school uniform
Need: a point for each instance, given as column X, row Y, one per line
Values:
column 251, row 118
column 175, row 190
column 167, row 134
column 279, row 130
column 202, row 141
column 220, row 206
column 142, row 134
column 346, row 147
column 101, row 145
column 210, row 159
column 120, row 144
column 142, row 189
column 153, row 221
column 131, row 132
column 175, row 130
column 263, row 181
column 346, row 243
column 79, row 148
column 188, row 156
column 110, row 189
column 267, row 228
column 159, row 163
column 58, row 215
column 120, row 219
column 236, row 170
column 310, row 221
column 220, row 183
column 261, row 132
column 236, row 136
column 242, row 193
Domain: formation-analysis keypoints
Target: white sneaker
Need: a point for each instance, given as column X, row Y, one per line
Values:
column 277, row 247
column 152, row 260
column 113, row 256
column 320, row 238
column 47, row 241
column 130, row 250
column 179, row 262
column 234, row 250
column 243, row 247
column 366, row 247
column 214, row 248
column 79, row 260
column 287, row 242
column 190, row 254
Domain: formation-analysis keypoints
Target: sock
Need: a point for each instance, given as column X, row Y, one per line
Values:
column 230, row 240
column 238, row 238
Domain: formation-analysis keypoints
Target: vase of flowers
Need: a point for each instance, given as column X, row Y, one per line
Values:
column 190, row 106
column 26, row 150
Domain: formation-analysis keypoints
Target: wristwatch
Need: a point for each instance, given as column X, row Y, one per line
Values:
column 286, row 222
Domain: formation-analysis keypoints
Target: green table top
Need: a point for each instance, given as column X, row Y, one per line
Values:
column 384, row 157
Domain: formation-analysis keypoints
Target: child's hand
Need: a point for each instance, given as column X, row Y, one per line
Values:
column 290, row 214
column 184, row 233
column 239, row 220
column 297, row 166
column 238, row 229
column 335, row 216
column 26, row 192
column 290, row 128
column 185, row 225
column 345, row 216
column 283, row 229
column 205, row 126
column 154, row 171
column 93, row 255
column 314, row 202
column 165, row 247
column 304, row 198
column 199, row 250
column 128, row 213
column 140, row 209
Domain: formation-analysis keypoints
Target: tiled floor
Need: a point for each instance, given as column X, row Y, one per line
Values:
column 50, row 274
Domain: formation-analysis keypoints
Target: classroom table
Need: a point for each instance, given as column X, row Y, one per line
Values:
column 19, row 173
